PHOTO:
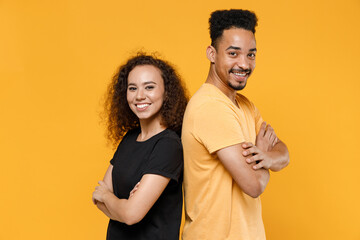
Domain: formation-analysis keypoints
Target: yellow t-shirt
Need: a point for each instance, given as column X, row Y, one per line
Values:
column 215, row 207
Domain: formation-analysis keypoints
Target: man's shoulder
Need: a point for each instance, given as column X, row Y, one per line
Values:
column 207, row 95
column 245, row 102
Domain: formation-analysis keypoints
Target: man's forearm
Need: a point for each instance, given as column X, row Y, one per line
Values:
column 263, row 177
column 280, row 157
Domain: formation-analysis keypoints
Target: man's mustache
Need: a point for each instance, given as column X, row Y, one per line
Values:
column 240, row 70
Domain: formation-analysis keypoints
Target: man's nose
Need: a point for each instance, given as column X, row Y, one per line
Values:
column 243, row 62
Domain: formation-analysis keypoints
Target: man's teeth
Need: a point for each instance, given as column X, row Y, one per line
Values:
column 240, row 74
column 142, row 105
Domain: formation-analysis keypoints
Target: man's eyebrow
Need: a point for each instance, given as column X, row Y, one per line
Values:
column 233, row 47
column 238, row 48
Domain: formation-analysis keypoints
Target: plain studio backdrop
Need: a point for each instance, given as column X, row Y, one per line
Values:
column 57, row 57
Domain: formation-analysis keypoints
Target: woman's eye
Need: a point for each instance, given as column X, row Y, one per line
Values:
column 132, row 88
column 149, row 87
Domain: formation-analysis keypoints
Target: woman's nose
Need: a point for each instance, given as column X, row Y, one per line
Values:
column 140, row 95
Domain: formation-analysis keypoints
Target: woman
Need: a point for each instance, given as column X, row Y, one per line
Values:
column 141, row 192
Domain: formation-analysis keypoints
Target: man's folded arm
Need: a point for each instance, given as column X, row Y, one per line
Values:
column 252, row 182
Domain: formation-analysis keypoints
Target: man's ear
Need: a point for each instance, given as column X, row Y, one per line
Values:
column 211, row 53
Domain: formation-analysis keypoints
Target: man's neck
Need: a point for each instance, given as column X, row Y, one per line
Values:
column 214, row 79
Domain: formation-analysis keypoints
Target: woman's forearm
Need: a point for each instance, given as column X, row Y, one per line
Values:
column 134, row 209
column 121, row 209
column 104, row 209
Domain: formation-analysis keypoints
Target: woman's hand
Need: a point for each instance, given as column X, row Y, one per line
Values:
column 100, row 192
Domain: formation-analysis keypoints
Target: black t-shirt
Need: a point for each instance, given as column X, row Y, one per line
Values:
column 161, row 154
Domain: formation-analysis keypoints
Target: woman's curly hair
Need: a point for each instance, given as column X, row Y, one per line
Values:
column 118, row 115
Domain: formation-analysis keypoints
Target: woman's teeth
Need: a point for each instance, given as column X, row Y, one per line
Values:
column 142, row 105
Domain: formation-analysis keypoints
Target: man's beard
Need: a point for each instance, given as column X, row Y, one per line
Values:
column 241, row 70
column 237, row 88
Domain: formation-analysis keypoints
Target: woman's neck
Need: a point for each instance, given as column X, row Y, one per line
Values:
column 149, row 129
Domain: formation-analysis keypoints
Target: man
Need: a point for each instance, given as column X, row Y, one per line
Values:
column 228, row 149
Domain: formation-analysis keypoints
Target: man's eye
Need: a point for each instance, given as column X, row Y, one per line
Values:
column 232, row 54
column 251, row 55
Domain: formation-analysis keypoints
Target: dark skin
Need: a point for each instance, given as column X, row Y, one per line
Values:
column 269, row 153
column 232, row 63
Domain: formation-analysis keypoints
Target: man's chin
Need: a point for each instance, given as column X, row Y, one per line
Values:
column 237, row 87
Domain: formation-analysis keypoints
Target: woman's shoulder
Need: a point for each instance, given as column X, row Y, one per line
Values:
column 132, row 132
column 168, row 138
column 171, row 134
column 130, row 136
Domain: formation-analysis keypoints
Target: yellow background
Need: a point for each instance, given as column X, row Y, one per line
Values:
column 57, row 57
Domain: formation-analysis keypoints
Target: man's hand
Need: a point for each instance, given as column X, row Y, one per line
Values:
column 268, row 153
column 254, row 154
column 266, row 139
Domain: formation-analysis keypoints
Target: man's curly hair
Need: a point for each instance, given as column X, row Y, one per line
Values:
column 118, row 115
column 221, row 20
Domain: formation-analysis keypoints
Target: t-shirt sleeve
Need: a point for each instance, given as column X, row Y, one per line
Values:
column 166, row 158
column 258, row 119
column 112, row 161
column 216, row 126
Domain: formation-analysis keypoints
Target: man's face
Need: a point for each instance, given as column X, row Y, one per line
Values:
column 235, row 57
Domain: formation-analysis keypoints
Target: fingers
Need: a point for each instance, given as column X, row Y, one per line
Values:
column 264, row 163
column 259, row 165
column 99, row 191
column 102, row 183
column 257, row 157
column 102, row 186
column 250, row 151
column 93, row 199
column 275, row 141
column 262, row 129
column 272, row 139
column 134, row 189
column 269, row 131
column 247, row 145
column 272, row 142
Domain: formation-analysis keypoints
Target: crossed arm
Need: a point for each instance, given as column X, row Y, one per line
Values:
column 269, row 152
column 249, row 164
column 133, row 209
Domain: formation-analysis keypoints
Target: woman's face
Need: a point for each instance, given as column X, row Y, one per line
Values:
column 145, row 92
